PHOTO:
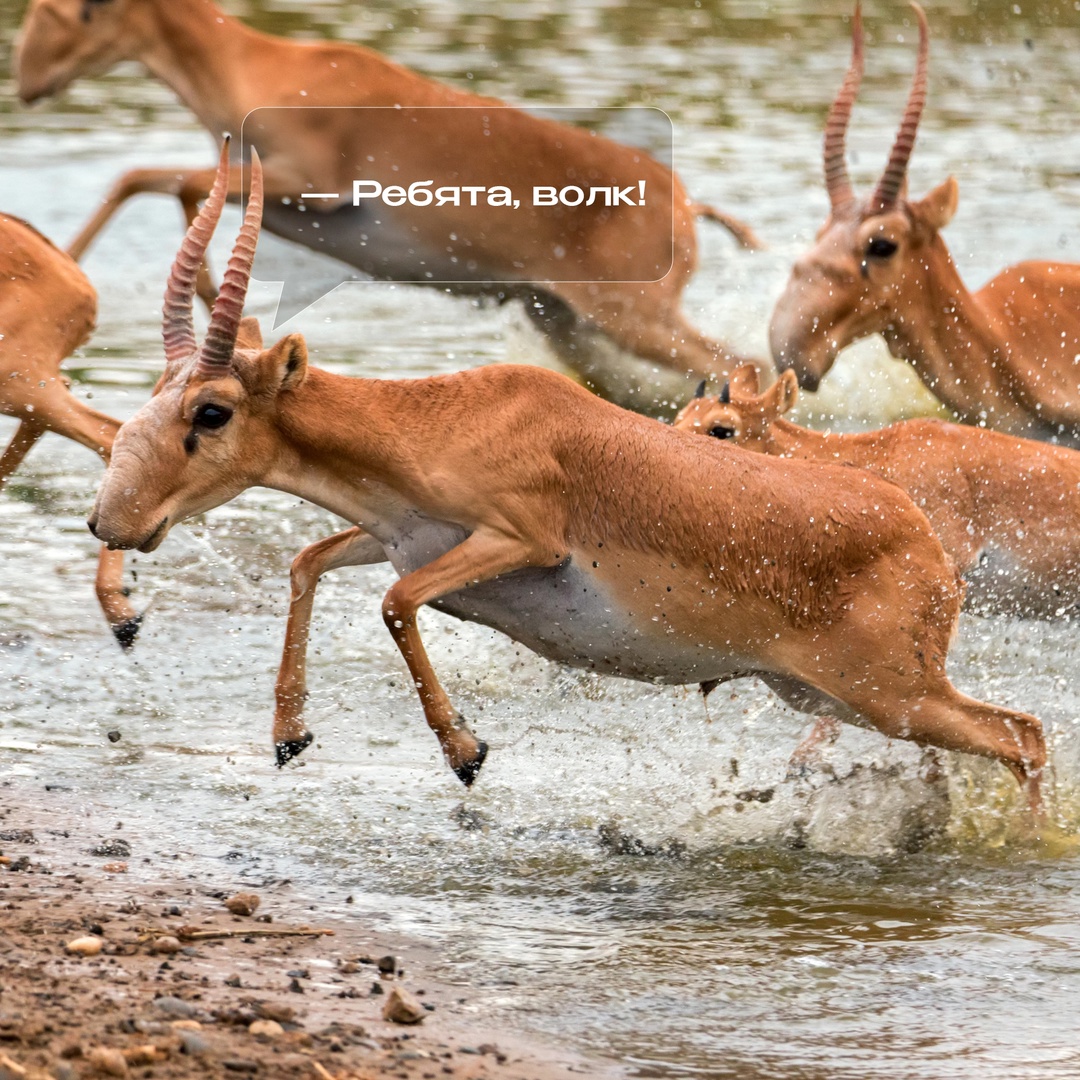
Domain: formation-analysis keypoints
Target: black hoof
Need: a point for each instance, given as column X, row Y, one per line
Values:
column 467, row 773
column 127, row 632
column 286, row 751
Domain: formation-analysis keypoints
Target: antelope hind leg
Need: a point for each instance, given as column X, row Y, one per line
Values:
column 353, row 547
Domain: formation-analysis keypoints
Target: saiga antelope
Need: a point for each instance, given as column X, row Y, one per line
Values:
column 1006, row 510
column 47, row 310
column 1005, row 357
column 511, row 497
column 222, row 69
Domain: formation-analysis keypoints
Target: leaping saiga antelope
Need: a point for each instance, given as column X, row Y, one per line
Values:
column 1006, row 510
column 1005, row 357
column 612, row 542
column 47, row 310
column 222, row 69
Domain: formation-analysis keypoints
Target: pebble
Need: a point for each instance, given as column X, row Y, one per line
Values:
column 114, row 736
column 242, row 903
column 268, row 1029
column 115, row 868
column 239, row 1065
column 85, row 946
column 107, row 1060
column 143, row 1055
column 185, row 1025
column 387, row 964
column 116, row 848
column 402, row 1008
column 176, row 1006
column 192, row 1043
column 165, row 945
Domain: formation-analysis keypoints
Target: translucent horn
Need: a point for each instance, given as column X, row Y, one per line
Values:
column 217, row 349
column 837, row 183
column 177, row 327
column 892, row 180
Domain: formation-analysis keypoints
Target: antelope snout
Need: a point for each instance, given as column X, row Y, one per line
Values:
column 91, row 523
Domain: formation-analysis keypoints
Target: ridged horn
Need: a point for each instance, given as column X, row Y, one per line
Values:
column 215, row 358
column 177, row 325
column 892, row 180
column 837, row 182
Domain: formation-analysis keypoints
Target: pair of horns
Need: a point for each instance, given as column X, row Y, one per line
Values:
column 837, row 182
column 178, row 327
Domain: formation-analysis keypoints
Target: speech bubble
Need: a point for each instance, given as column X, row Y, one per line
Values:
column 477, row 200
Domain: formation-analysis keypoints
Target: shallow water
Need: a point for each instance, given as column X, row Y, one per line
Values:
column 630, row 874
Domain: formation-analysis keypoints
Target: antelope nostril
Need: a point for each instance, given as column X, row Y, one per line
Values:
column 91, row 524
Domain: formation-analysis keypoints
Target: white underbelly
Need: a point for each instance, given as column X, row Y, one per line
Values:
column 564, row 613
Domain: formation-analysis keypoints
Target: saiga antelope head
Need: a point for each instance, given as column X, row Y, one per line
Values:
column 208, row 431
column 61, row 40
column 866, row 272
column 740, row 413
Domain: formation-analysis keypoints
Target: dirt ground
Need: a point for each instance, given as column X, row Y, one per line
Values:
column 168, row 983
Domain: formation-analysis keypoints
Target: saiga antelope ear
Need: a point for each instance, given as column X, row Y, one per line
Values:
column 249, row 336
column 781, row 396
column 937, row 208
column 743, row 382
column 288, row 359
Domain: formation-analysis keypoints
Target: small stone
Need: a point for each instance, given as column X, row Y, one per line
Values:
column 402, row 1008
column 185, row 1025
column 117, row 848
column 234, row 982
column 266, row 1029
column 295, row 987
column 240, row 1065
column 114, row 736
column 299, row 973
column 176, row 1007
column 192, row 1044
column 115, row 868
column 71, row 1050
column 143, row 1055
column 376, row 988
column 85, row 946
column 107, row 1060
column 242, row 903
column 165, row 945
column 387, row 964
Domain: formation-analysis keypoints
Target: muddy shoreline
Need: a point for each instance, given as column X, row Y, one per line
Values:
column 182, row 987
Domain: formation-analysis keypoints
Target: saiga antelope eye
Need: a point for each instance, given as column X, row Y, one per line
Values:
column 212, row 416
column 718, row 431
column 879, row 247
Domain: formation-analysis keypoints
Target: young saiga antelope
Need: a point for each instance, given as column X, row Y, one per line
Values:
column 624, row 277
column 1006, row 510
column 614, row 543
column 1006, row 357
column 47, row 310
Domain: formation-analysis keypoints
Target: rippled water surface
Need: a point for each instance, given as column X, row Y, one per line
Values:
column 630, row 874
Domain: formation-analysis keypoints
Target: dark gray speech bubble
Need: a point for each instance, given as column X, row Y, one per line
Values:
column 473, row 200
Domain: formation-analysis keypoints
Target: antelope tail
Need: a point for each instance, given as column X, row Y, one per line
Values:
column 742, row 232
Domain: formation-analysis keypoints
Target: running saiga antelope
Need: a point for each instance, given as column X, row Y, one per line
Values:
column 1006, row 357
column 614, row 543
column 222, row 69
column 47, row 310
column 1006, row 510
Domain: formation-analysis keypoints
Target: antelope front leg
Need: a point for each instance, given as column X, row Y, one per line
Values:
column 109, row 586
column 481, row 557
column 353, row 547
